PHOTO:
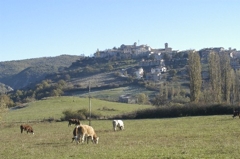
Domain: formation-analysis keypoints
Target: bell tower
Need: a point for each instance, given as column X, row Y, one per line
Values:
column 166, row 46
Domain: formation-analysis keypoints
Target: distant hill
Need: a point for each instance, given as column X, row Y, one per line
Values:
column 20, row 73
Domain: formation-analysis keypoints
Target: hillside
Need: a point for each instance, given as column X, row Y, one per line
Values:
column 19, row 74
column 116, row 77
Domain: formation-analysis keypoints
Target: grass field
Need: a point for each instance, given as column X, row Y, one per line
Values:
column 53, row 108
column 173, row 138
column 188, row 137
column 114, row 93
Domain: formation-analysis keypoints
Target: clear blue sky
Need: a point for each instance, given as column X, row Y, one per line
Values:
column 47, row 28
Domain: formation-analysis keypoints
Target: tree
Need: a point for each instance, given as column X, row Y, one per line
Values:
column 5, row 102
column 215, row 76
column 236, row 88
column 226, row 76
column 159, row 100
column 56, row 92
column 172, row 91
column 61, row 83
column 142, row 98
column 195, row 77
column 166, row 92
column 108, row 67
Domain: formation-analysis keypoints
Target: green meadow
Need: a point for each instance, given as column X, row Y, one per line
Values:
column 168, row 138
column 53, row 108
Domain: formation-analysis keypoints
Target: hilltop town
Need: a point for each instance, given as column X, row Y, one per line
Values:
column 156, row 57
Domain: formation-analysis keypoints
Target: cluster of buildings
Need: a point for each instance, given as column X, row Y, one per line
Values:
column 140, row 52
column 156, row 62
column 125, row 51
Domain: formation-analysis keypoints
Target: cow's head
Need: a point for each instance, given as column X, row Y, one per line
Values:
column 96, row 140
column 31, row 131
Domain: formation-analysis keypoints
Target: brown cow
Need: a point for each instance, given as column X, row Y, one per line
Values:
column 73, row 121
column 236, row 113
column 26, row 128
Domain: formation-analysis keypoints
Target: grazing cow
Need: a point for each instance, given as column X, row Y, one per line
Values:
column 83, row 132
column 26, row 128
column 236, row 113
column 118, row 123
column 73, row 121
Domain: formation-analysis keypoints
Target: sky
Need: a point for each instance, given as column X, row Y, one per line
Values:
column 49, row 28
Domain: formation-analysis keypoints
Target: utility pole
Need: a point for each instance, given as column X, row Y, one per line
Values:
column 89, row 97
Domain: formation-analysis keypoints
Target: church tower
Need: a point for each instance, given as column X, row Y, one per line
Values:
column 166, row 46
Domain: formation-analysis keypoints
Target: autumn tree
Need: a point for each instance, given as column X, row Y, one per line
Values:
column 166, row 92
column 5, row 102
column 142, row 98
column 234, row 88
column 215, row 76
column 226, row 76
column 236, row 92
column 194, row 70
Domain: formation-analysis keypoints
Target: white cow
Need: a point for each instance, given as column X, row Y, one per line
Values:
column 82, row 132
column 118, row 123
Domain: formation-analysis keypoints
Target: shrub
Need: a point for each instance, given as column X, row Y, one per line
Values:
column 179, row 111
column 81, row 114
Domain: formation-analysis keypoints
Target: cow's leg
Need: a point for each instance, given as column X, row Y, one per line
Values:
column 92, row 139
column 88, row 139
column 83, row 137
column 73, row 138
column 79, row 139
